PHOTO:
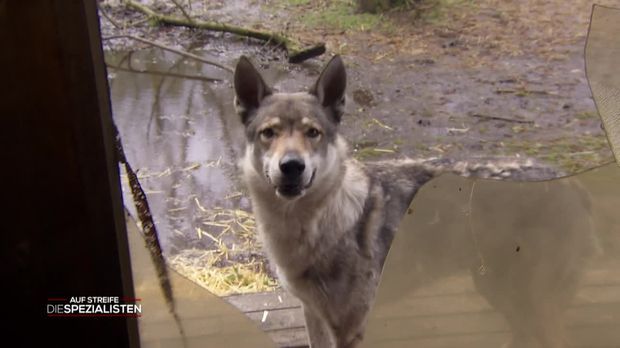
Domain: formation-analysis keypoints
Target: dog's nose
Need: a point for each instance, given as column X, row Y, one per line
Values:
column 292, row 165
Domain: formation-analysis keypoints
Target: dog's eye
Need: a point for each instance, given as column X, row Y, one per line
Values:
column 267, row 133
column 312, row 133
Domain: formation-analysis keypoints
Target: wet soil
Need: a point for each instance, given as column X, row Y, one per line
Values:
column 465, row 80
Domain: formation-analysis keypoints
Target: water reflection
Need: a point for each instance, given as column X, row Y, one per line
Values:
column 482, row 263
column 176, row 133
column 181, row 135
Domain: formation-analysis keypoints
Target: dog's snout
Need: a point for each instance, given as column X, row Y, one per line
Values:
column 291, row 165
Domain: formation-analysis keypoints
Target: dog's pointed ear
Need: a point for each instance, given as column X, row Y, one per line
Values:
column 250, row 89
column 330, row 88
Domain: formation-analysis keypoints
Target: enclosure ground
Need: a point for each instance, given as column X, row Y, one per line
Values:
column 457, row 79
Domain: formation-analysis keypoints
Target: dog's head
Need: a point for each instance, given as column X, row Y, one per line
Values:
column 292, row 138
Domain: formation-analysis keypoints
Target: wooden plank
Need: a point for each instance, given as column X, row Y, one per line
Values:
column 447, row 286
column 284, row 322
column 206, row 320
column 451, row 285
column 460, row 341
column 418, row 327
column 291, row 338
column 433, row 317
column 264, row 300
column 434, row 305
column 593, row 315
column 279, row 319
column 600, row 336
column 597, row 294
column 472, row 302
column 596, row 336
column 608, row 275
column 420, row 305
column 463, row 283
column 447, row 311
column 234, row 340
column 212, row 327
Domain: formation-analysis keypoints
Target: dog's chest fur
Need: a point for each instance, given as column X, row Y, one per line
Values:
column 339, row 237
column 297, row 234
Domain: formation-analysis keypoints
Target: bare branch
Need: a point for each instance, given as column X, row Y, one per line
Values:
column 109, row 18
column 167, row 48
column 161, row 73
column 297, row 52
column 149, row 233
column 498, row 118
column 176, row 3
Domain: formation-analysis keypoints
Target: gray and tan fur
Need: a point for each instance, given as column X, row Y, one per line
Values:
column 326, row 221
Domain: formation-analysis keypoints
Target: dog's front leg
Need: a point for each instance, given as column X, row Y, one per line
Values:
column 318, row 331
column 348, row 338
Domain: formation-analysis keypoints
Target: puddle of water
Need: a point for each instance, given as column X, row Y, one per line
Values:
column 181, row 137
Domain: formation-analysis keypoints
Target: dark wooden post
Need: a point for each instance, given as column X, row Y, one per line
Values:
column 63, row 230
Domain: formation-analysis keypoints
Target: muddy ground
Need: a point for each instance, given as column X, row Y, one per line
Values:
column 433, row 82
column 458, row 79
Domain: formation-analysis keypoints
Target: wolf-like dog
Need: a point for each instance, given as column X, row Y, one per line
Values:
column 325, row 220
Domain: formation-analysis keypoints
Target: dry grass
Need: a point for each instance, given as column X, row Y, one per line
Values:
column 201, row 266
column 234, row 264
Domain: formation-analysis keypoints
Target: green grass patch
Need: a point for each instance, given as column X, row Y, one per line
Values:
column 436, row 12
column 345, row 15
column 339, row 15
column 295, row 2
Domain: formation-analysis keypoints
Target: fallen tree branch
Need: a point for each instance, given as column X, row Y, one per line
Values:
column 167, row 48
column 149, row 233
column 497, row 118
column 161, row 73
column 296, row 51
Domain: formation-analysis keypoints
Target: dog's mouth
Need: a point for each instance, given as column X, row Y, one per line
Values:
column 295, row 189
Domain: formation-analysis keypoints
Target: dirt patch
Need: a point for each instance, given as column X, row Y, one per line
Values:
column 425, row 73
column 431, row 74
